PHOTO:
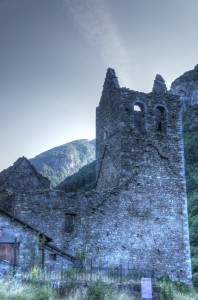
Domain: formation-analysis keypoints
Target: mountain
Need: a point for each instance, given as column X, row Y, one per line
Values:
column 60, row 162
column 186, row 86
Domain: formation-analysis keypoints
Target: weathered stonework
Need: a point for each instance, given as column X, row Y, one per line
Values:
column 11, row 233
column 142, row 153
column 137, row 216
column 25, row 246
column 22, row 176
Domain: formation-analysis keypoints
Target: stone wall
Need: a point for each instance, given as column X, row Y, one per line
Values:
column 30, row 245
column 114, row 227
column 22, row 176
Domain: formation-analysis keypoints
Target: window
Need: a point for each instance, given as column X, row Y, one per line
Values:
column 139, row 117
column 69, row 222
column 52, row 256
column 137, row 107
column 160, row 119
column 106, row 134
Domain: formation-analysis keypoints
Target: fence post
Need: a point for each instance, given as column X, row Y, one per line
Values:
column 62, row 271
column 14, row 269
column 120, row 273
column 91, row 270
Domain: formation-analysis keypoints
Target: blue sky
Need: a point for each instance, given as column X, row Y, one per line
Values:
column 54, row 55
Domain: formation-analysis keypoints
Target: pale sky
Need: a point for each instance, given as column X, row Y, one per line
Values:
column 54, row 55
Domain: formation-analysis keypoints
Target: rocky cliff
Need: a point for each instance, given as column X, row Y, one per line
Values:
column 186, row 86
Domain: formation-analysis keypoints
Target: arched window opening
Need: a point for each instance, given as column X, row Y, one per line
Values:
column 137, row 107
column 160, row 119
column 139, row 118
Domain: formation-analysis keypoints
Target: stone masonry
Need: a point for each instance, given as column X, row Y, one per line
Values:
column 137, row 216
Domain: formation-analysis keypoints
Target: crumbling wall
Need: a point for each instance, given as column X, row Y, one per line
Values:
column 114, row 228
column 141, row 221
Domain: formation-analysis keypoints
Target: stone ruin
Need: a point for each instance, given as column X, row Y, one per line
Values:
column 137, row 215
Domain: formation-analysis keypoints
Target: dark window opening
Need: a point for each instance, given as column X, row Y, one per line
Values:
column 41, row 256
column 69, row 222
column 160, row 118
column 139, row 119
column 106, row 134
column 159, row 127
column 52, row 256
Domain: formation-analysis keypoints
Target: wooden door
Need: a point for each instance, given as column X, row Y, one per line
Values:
column 9, row 252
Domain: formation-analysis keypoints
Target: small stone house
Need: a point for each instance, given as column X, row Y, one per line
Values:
column 22, row 244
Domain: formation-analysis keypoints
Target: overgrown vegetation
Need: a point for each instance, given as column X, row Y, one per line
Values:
column 15, row 290
column 176, row 290
column 190, row 127
column 100, row 291
column 11, row 289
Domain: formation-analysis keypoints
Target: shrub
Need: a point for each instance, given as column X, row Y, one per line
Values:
column 176, row 290
column 96, row 291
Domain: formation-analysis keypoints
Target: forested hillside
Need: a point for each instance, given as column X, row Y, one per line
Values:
column 82, row 181
column 190, row 128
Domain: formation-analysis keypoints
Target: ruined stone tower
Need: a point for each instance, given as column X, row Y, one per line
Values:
column 139, row 138
column 139, row 148
column 137, row 216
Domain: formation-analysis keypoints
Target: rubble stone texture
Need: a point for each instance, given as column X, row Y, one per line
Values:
column 22, row 177
column 137, row 216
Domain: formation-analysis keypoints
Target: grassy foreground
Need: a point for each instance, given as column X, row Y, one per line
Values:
column 15, row 290
column 176, row 290
column 11, row 289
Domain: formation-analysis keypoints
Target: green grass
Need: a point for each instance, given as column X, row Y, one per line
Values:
column 11, row 289
column 176, row 290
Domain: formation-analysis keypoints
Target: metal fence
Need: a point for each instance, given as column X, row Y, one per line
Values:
column 79, row 274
